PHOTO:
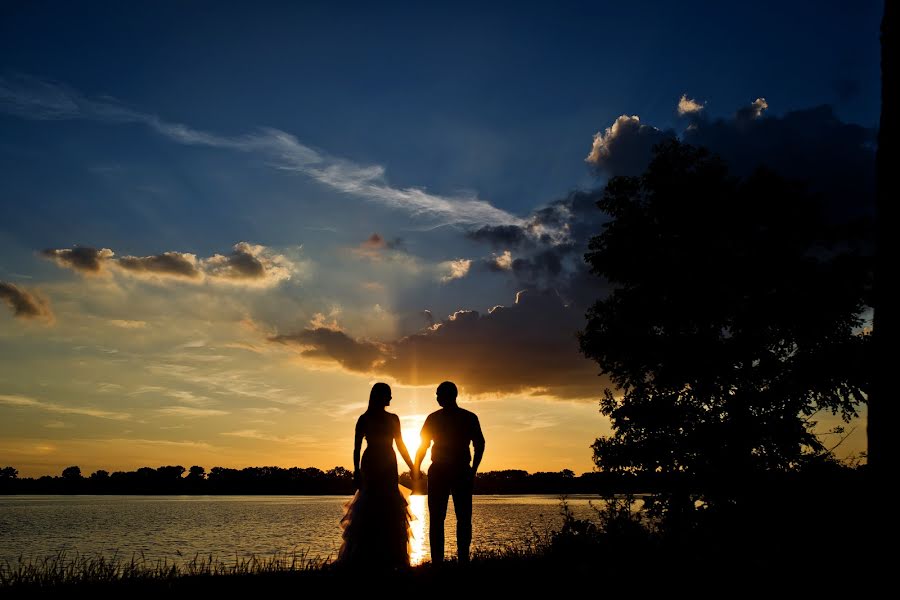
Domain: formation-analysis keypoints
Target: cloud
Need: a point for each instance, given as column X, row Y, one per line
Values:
column 455, row 269
column 501, row 262
column 334, row 345
column 754, row 111
column 624, row 148
column 127, row 324
column 248, row 264
column 172, row 264
column 190, row 411
column 25, row 304
column 500, row 236
column 528, row 348
column 82, row 259
column 687, row 106
column 25, row 401
column 255, row 434
column 320, row 320
column 836, row 159
column 32, row 98
column 554, row 260
column 376, row 248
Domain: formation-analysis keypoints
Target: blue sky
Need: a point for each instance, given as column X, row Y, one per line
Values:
column 162, row 132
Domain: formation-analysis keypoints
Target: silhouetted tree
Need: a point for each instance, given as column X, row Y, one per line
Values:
column 7, row 473
column 735, row 318
column 196, row 472
column 72, row 474
column 99, row 475
column 170, row 472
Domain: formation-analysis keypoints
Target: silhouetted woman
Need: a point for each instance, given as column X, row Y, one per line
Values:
column 376, row 520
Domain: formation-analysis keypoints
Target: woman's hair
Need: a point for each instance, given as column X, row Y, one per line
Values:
column 380, row 391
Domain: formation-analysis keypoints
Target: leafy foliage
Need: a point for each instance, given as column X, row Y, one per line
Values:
column 735, row 318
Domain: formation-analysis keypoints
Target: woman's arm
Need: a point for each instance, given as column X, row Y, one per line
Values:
column 401, row 445
column 357, row 444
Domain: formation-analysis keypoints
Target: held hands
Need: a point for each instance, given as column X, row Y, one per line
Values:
column 356, row 480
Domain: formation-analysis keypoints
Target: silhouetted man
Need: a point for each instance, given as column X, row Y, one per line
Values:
column 451, row 429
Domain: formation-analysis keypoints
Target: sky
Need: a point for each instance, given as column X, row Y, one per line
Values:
column 221, row 224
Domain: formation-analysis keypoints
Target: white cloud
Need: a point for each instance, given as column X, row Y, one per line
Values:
column 688, row 106
column 36, row 99
column 455, row 269
column 503, row 261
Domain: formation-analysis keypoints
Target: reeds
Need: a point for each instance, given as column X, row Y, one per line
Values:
column 65, row 568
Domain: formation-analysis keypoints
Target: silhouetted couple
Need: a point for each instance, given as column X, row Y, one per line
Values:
column 376, row 521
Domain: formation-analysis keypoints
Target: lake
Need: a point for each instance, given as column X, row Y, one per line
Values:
column 161, row 527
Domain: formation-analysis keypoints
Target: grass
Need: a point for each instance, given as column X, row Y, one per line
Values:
column 65, row 568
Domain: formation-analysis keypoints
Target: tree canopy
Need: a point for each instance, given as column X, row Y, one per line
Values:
column 736, row 316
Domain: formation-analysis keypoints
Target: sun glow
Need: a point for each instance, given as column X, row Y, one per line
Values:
column 411, row 426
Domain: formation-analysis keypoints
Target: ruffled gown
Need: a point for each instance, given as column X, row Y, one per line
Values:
column 375, row 524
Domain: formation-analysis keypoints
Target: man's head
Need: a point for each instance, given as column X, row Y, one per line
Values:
column 446, row 394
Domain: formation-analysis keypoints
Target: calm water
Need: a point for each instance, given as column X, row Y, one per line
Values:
column 226, row 526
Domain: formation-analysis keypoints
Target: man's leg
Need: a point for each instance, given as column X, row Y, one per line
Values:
column 462, row 505
column 438, row 496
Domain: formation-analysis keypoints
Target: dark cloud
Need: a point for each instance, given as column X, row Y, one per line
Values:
column 529, row 348
column 333, row 344
column 553, row 260
column 753, row 111
column 625, row 147
column 25, row 304
column 500, row 236
column 836, row 159
column 247, row 264
column 81, row 258
column 244, row 262
column 175, row 264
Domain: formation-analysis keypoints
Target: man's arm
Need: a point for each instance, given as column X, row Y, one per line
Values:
column 478, row 442
column 425, row 436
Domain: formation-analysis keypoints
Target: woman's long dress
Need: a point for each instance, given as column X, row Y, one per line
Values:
column 376, row 520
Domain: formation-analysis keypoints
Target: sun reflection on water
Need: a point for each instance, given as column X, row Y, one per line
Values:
column 417, row 545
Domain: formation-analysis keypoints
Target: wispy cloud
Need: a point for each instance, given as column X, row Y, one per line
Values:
column 255, row 434
column 25, row 401
column 190, row 411
column 32, row 98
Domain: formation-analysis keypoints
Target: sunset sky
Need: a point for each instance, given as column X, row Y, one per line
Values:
column 219, row 228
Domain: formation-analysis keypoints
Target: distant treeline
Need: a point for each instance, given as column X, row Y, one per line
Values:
column 339, row 481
